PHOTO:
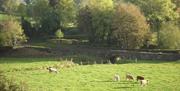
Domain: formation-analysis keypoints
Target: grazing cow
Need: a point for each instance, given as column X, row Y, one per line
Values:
column 139, row 78
column 144, row 82
column 129, row 77
column 116, row 77
column 52, row 69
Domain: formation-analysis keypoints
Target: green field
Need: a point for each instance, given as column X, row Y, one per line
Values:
column 163, row 76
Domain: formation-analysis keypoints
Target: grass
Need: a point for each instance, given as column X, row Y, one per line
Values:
column 163, row 76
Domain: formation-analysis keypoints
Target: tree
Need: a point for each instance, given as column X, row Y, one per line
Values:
column 100, row 19
column 66, row 11
column 162, row 10
column 11, row 33
column 157, row 12
column 84, row 19
column 169, row 36
column 53, row 3
column 51, row 15
column 129, row 26
column 9, row 6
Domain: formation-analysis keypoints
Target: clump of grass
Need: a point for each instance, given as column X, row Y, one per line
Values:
column 10, row 85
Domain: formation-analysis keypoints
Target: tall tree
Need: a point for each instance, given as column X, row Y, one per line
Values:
column 129, row 26
column 50, row 15
column 101, row 18
column 157, row 12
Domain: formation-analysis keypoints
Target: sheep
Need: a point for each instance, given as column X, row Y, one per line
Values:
column 144, row 82
column 116, row 77
column 139, row 78
column 52, row 70
column 129, row 77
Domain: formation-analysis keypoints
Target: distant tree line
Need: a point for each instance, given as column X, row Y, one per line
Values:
column 131, row 23
column 128, row 24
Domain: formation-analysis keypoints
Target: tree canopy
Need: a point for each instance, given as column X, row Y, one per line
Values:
column 11, row 33
column 130, row 27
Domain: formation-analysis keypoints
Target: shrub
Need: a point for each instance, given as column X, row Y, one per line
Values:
column 11, row 33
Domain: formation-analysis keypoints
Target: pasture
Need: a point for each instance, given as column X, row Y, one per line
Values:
column 33, row 75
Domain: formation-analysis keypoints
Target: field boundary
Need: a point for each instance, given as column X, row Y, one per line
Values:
column 145, row 55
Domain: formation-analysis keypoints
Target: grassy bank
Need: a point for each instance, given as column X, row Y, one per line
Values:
column 163, row 76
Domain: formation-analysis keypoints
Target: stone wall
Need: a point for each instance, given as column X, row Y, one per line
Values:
column 145, row 55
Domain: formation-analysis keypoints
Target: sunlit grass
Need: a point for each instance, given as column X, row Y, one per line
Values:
column 163, row 76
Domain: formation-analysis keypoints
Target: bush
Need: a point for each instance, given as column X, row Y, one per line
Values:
column 59, row 34
column 169, row 36
column 11, row 33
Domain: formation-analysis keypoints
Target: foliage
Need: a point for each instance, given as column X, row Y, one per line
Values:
column 50, row 15
column 177, row 2
column 85, row 21
column 151, row 40
column 22, row 10
column 53, row 3
column 4, row 17
column 40, row 12
column 9, row 6
column 9, row 84
column 169, row 36
column 66, row 11
column 156, row 10
column 59, row 34
column 11, row 33
column 99, row 18
column 130, row 27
